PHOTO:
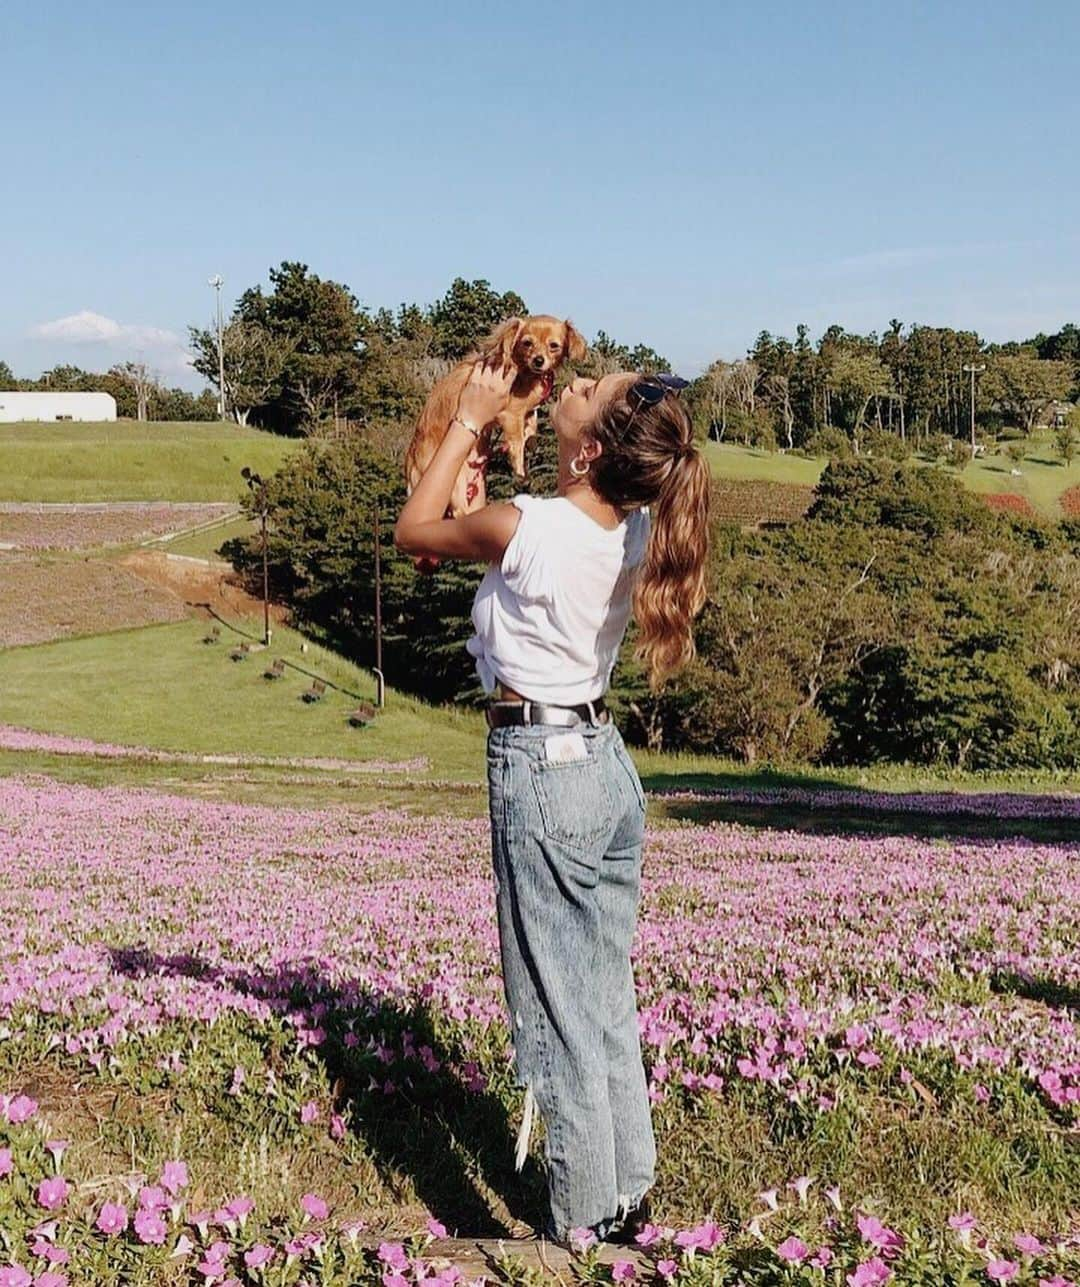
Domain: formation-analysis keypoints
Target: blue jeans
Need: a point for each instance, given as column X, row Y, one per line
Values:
column 566, row 844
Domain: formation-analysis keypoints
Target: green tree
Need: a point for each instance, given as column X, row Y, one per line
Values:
column 1024, row 385
column 323, row 323
column 466, row 313
column 254, row 359
column 7, row 377
column 1067, row 435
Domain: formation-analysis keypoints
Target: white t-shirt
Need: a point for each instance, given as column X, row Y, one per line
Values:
column 550, row 617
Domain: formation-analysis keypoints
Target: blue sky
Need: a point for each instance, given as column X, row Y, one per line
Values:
column 686, row 174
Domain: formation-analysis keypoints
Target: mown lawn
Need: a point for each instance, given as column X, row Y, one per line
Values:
column 124, row 460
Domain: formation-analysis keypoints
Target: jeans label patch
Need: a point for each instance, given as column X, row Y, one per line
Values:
column 564, row 748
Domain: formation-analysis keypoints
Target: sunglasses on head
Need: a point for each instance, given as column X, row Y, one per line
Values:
column 651, row 389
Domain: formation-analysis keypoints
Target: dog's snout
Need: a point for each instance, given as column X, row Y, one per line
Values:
column 538, row 362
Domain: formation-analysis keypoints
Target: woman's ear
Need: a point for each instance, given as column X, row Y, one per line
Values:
column 589, row 447
column 499, row 345
column 574, row 342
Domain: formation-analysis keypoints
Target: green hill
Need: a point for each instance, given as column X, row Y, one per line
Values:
column 125, row 460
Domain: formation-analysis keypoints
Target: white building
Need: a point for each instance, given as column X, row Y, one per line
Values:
column 16, row 406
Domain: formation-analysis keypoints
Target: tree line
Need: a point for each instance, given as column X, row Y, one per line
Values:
column 304, row 352
column 916, row 384
column 139, row 393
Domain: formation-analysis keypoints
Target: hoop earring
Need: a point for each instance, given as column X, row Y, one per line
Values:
column 579, row 473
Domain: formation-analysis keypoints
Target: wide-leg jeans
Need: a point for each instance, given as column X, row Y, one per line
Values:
column 567, row 839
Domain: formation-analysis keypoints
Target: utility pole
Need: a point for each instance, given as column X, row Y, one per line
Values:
column 974, row 371
column 380, row 682
column 217, row 281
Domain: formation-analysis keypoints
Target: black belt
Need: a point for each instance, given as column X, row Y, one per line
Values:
column 500, row 713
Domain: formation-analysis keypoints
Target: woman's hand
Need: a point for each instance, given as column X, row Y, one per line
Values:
column 486, row 394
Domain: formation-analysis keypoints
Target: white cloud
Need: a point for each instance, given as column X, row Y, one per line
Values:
column 160, row 348
column 79, row 328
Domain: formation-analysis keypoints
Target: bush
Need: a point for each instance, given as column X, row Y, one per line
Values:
column 830, row 442
column 882, row 445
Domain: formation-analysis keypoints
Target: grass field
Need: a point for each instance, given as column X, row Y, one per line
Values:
column 125, row 460
column 154, row 687
column 1041, row 481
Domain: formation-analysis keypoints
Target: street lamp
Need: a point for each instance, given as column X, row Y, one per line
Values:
column 217, row 281
column 258, row 489
column 974, row 371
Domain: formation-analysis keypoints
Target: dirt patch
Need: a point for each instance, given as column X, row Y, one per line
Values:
column 208, row 588
column 43, row 599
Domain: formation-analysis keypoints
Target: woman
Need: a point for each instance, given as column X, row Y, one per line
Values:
column 628, row 527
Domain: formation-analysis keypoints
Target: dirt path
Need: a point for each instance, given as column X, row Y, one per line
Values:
column 207, row 587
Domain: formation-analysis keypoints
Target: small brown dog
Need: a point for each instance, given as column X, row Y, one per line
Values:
column 535, row 347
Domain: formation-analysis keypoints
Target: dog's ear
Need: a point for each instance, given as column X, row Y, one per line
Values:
column 574, row 342
column 499, row 345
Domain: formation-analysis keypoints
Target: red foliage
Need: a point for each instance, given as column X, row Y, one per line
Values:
column 1070, row 502
column 1010, row 503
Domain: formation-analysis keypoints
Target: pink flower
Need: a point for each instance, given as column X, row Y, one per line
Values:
column 21, row 1109
column 878, row 1235
column 793, row 1249
column 6, row 1164
column 51, row 1279
column 649, row 1235
column 623, row 1271
column 822, row 1258
column 801, row 1185
column 667, row 1268
column 258, row 1255
column 1056, row 1281
column 112, row 1218
column 833, row 1195
column 582, row 1239
column 706, row 1237
column 871, row 1273
column 1028, row 1244
column 57, row 1148
column 965, row 1220
column 393, row 1255
column 151, row 1198
column 239, row 1209
column 394, row 1280
column 309, row 1113
column 314, row 1206
column 1002, row 1270
column 54, row 1255
column 53, row 1193
column 174, row 1177
column 436, row 1228
column 201, row 1220
column 337, row 1126
column 14, row 1276
column 150, row 1227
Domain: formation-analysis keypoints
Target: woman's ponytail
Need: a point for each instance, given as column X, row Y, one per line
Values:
column 649, row 457
column 670, row 588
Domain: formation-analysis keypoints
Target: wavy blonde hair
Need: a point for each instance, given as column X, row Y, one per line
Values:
column 649, row 457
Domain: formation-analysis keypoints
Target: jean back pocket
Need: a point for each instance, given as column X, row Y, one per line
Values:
column 574, row 798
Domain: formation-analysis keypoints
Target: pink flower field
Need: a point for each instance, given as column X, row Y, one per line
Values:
column 30, row 526
column 851, row 1042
